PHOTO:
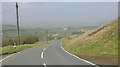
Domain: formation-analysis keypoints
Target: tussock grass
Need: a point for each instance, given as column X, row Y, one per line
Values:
column 100, row 42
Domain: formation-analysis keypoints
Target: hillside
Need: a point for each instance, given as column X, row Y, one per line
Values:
column 10, row 31
column 99, row 46
column 7, row 27
column 100, row 42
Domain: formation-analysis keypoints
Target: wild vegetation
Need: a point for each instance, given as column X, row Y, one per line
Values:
column 30, row 37
column 11, row 49
column 102, row 41
column 11, row 31
column 23, row 40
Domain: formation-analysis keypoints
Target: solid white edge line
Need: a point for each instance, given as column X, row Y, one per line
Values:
column 80, row 58
column 16, row 53
column 44, row 65
column 6, row 57
column 42, row 55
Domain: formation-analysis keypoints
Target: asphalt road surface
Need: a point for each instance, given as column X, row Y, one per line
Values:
column 51, row 54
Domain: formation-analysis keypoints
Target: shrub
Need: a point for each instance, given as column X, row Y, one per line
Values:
column 23, row 40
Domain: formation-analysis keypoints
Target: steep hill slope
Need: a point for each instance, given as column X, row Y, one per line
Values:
column 100, row 42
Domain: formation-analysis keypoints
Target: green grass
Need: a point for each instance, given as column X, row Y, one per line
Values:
column 102, row 42
column 11, row 49
column 41, row 32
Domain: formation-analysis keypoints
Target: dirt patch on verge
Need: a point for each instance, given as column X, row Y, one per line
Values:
column 100, row 60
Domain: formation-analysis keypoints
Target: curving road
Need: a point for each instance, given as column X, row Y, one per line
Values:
column 51, row 54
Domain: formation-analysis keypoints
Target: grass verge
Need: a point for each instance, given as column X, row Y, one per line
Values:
column 101, row 42
column 11, row 49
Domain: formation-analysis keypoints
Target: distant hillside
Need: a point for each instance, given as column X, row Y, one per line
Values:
column 6, row 27
column 100, row 42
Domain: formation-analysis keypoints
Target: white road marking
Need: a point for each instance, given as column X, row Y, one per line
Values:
column 44, row 65
column 79, row 58
column 44, row 49
column 6, row 57
column 42, row 55
column 9, row 56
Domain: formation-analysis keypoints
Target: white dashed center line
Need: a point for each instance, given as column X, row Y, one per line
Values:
column 44, row 65
column 44, row 49
column 42, row 55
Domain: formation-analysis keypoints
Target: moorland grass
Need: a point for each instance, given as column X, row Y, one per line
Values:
column 102, row 41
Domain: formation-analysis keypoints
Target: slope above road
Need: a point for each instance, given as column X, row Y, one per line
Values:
column 102, row 42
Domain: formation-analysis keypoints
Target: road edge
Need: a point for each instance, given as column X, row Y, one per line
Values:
column 8, row 57
column 78, row 57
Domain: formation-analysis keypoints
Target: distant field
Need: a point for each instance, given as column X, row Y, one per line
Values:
column 6, row 27
column 10, row 31
column 102, row 41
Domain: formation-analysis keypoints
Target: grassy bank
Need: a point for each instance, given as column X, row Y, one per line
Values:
column 101, row 42
column 11, row 49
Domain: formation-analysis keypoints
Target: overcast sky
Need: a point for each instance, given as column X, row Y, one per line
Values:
column 60, row 0
column 59, row 14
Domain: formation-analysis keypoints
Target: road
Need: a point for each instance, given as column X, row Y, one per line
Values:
column 51, row 54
